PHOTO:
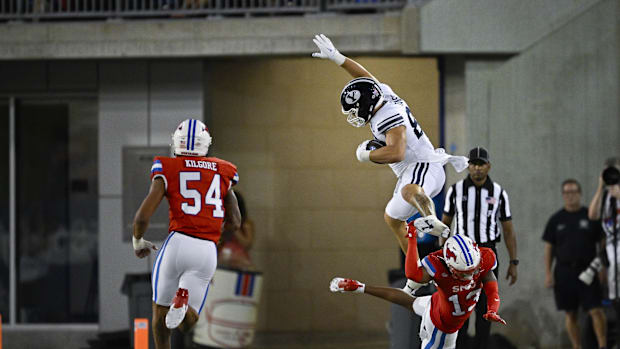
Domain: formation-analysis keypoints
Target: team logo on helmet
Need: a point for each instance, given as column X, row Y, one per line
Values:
column 353, row 96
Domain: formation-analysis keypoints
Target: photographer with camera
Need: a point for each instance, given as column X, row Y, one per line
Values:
column 570, row 238
column 605, row 205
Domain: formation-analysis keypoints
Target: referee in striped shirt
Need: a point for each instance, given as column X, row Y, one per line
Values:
column 476, row 204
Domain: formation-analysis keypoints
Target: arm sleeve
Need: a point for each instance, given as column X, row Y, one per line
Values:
column 413, row 268
column 548, row 234
column 390, row 122
column 157, row 170
column 504, row 207
column 492, row 292
column 448, row 208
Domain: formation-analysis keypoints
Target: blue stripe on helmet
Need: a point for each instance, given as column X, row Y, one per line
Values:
column 194, row 133
column 189, row 133
column 464, row 248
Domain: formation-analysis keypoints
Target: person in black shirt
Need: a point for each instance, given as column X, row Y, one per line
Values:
column 570, row 238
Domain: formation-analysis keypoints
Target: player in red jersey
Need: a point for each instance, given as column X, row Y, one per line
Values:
column 199, row 191
column 461, row 271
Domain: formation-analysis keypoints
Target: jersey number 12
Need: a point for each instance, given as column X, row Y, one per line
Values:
column 213, row 196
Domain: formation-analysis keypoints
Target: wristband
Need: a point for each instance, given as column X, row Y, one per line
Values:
column 138, row 244
column 339, row 58
column 363, row 155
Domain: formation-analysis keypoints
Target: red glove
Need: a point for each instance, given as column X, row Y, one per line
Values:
column 346, row 285
column 492, row 316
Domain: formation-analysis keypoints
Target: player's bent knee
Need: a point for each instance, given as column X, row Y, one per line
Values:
column 412, row 191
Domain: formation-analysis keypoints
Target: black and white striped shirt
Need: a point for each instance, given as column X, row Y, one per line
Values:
column 476, row 210
column 610, row 214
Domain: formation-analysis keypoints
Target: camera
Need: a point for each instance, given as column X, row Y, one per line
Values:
column 587, row 276
column 611, row 175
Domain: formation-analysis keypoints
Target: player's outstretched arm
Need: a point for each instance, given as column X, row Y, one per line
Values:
column 489, row 283
column 392, row 295
column 327, row 50
column 142, row 248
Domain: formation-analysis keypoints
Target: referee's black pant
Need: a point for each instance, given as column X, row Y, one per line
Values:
column 483, row 327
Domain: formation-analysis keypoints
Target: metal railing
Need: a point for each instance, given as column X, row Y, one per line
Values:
column 93, row 9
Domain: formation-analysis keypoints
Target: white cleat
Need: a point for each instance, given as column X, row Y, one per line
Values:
column 432, row 225
column 177, row 310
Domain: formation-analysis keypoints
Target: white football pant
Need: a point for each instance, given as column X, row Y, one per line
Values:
column 186, row 262
column 430, row 176
column 431, row 336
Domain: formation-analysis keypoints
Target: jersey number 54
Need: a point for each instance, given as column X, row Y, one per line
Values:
column 212, row 197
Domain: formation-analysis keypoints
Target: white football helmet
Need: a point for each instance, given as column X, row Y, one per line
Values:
column 191, row 138
column 462, row 256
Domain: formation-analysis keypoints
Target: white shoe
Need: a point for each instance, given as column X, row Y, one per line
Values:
column 177, row 310
column 432, row 225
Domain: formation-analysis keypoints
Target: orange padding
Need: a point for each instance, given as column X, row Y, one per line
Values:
column 140, row 334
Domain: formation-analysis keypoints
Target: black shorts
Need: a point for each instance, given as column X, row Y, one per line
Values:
column 570, row 292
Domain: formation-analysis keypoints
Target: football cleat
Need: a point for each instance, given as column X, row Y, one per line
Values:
column 346, row 285
column 432, row 225
column 177, row 310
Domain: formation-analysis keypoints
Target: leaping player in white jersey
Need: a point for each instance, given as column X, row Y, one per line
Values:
column 399, row 141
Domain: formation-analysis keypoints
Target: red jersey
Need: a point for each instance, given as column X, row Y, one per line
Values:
column 195, row 188
column 455, row 299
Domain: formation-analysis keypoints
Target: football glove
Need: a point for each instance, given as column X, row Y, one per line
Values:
column 432, row 225
column 142, row 247
column 327, row 50
column 492, row 316
column 363, row 154
column 346, row 285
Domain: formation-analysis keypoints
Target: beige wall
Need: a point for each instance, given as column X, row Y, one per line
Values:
column 318, row 211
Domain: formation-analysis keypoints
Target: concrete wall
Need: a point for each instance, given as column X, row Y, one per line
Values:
column 489, row 26
column 210, row 37
column 546, row 115
column 318, row 211
column 140, row 103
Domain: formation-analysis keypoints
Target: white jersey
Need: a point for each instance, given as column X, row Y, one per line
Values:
column 394, row 113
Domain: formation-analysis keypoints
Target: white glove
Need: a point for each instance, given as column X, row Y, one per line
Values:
column 346, row 285
column 142, row 247
column 362, row 154
column 432, row 225
column 327, row 50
